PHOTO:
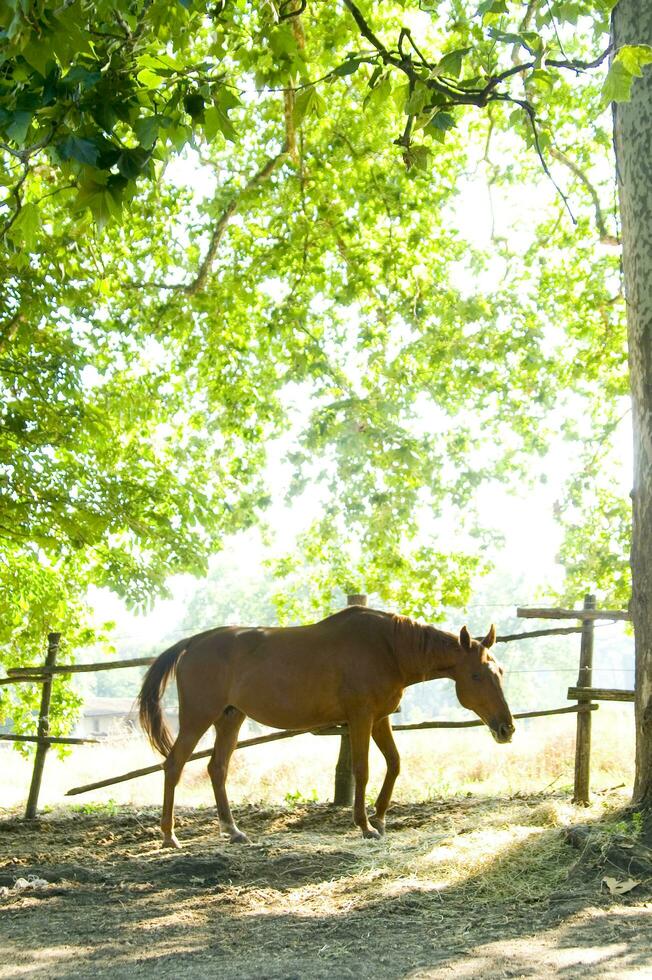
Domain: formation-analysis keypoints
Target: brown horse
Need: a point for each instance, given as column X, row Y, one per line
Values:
column 351, row 667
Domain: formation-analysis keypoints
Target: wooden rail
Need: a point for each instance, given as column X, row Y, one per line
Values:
column 340, row 730
column 38, row 673
column 582, row 614
column 50, row 740
column 556, row 631
column 571, row 709
column 599, row 694
column 135, row 773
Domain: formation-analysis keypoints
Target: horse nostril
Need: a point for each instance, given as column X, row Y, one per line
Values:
column 505, row 731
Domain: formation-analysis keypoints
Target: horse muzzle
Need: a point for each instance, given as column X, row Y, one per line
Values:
column 502, row 732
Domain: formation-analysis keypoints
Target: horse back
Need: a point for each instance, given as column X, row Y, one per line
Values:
column 295, row 676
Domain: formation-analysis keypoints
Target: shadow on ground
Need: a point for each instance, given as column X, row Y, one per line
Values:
column 309, row 900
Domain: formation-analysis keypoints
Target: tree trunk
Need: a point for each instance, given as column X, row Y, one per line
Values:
column 632, row 24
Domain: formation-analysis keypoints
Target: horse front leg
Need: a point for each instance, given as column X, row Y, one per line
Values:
column 227, row 729
column 360, row 734
column 382, row 736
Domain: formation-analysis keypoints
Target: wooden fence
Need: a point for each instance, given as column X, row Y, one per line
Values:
column 583, row 693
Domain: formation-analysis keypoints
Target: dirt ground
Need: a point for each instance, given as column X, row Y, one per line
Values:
column 309, row 898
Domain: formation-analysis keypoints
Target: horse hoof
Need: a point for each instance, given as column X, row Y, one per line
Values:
column 171, row 842
column 239, row 838
column 371, row 834
column 378, row 824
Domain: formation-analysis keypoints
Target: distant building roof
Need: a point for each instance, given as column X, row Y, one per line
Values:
column 97, row 707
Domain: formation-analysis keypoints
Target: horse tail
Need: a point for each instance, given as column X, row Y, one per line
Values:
column 149, row 699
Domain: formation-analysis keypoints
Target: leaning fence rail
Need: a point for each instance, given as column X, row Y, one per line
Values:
column 583, row 693
column 327, row 730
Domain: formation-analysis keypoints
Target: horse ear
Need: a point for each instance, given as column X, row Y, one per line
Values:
column 465, row 639
column 490, row 638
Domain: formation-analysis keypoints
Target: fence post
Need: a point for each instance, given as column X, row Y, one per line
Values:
column 583, row 737
column 43, row 728
column 343, row 792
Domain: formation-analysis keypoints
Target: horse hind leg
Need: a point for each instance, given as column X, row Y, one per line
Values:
column 227, row 729
column 173, row 766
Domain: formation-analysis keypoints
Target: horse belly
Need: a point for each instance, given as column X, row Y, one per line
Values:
column 287, row 691
column 287, row 706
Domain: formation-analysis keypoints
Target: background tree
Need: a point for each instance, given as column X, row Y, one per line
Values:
column 632, row 24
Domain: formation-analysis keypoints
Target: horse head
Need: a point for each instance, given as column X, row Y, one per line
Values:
column 479, row 684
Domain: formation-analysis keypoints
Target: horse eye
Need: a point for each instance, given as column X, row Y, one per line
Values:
column 475, row 677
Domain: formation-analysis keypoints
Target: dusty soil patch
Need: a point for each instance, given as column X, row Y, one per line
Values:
column 460, row 887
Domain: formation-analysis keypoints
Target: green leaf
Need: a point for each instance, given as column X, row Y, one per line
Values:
column 78, row 148
column 347, row 67
column 18, row 128
column 308, row 101
column 634, row 57
column 451, row 63
column 627, row 65
column 379, row 94
column 492, row 7
column 283, row 43
column 542, row 79
column 568, row 12
column 441, row 122
column 146, row 129
column 417, row 100
column 131, row 162
column 216, row 121
column 81, row 76
column 194, row 104
column 418, row 156
column 104, row 115
column 150, row 79
column 27, row 224
column 226, row 98
column 503, row 37
column 68, row 40
column 38, row 55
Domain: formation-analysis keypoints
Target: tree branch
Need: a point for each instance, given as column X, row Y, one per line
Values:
column 605, row 237
column 198, row 283
column 367, row 33
column 288, row 10
column 289, row 92
column 10, row 330
column 525, row 105
column 581, row 65
column 479, row 97
column 15, row 193
column 219, row 228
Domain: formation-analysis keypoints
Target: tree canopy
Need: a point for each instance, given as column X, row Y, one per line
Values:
column 215, row 215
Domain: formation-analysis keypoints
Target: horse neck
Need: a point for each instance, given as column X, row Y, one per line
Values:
column 423, row 652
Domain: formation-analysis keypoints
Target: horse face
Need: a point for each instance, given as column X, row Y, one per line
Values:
column 479, row 687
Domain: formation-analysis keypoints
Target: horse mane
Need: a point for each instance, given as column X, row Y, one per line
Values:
column 415, row 639
column 408, row 634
